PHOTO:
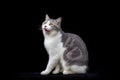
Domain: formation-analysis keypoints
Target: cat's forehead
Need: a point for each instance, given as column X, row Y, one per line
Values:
column 52, row 20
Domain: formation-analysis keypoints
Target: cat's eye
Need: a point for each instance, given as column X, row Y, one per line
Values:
column 50, row 24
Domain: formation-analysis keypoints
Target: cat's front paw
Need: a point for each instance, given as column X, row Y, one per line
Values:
column 55, row 72
column 44, row 73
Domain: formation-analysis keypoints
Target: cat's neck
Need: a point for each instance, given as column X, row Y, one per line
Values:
column 62, row 32
column 58, row 35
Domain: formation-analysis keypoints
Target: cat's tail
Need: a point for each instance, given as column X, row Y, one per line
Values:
column 79, row 69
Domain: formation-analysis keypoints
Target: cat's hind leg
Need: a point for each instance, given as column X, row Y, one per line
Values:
column 66, row 69
column 79, row 69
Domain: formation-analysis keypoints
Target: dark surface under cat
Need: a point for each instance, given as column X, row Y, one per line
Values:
column 36, row 75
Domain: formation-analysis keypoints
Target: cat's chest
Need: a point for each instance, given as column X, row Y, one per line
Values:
column 52, row 43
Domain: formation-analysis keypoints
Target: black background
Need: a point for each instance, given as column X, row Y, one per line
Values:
column 88, row 20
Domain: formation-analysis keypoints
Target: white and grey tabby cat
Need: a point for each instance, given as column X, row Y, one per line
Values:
column 67, row 52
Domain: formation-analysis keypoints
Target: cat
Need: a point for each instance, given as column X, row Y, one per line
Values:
column 67, row 52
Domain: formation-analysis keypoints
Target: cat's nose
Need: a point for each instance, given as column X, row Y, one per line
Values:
column 45, row 26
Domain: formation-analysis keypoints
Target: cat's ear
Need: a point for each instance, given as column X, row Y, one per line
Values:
column 47, row 17
column 58, row 20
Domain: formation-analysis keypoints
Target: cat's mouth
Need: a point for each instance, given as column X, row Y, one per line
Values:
column 46, row 30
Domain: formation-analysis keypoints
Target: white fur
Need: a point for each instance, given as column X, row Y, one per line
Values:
column 54, row 47
column 55, row 50
column 79, row 69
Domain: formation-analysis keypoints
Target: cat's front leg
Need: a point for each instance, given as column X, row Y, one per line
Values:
column 53, row 61
column 57, row 69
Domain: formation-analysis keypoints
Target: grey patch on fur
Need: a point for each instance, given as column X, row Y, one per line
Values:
column 55, row 28
column 76, row 52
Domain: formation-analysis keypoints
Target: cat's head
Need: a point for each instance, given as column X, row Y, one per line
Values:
column 51, row 26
